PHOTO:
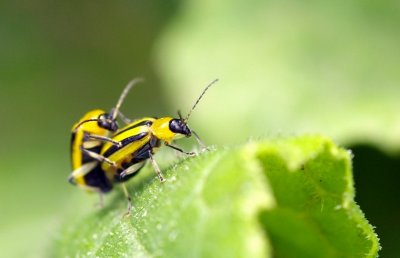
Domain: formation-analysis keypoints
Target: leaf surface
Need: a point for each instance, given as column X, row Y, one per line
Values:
column 288, row 197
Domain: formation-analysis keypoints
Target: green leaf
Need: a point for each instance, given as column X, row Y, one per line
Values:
column 316, row 215
column 287, row 198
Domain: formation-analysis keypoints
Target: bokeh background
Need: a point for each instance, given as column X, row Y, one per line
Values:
column 285, row 67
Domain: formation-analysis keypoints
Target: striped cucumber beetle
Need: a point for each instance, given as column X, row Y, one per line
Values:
column 140, row 140
column 87, row 138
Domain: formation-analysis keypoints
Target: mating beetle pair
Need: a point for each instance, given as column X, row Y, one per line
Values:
column 102, row 154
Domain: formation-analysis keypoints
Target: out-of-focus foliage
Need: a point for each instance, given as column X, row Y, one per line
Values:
column 289, row 198
column 290, row 67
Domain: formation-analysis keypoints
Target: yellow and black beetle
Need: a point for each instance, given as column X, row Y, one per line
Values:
column 139, row 140
column 87, row 138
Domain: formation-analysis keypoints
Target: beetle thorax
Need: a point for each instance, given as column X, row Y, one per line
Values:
column 160, row 129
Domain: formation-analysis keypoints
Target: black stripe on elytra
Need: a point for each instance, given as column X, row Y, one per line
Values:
column 73, row 135
column 143, row 152
column 124, row 142
column 145, row 122
column 138, row 156
column 141, row 155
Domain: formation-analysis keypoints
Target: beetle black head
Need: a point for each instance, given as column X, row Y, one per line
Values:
column 179, row 126
column 107, row 122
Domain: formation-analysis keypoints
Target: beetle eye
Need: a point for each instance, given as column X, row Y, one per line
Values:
column 174, row 126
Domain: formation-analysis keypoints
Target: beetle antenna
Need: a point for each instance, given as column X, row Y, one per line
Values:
column 123, row 95
column 83, row 122
column 197, row 101
column 180, row 115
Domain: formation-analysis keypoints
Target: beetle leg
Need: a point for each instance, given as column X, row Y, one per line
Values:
column 81, row 172
column 202, row 145
column 101, row 199
column 128, row 198
column 124, row 118
column 156, row 168
column 180, row 150
column 102, row 138
column 130, row 170
column 98, row 157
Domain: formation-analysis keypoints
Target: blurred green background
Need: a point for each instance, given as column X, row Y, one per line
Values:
column 285, row 68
